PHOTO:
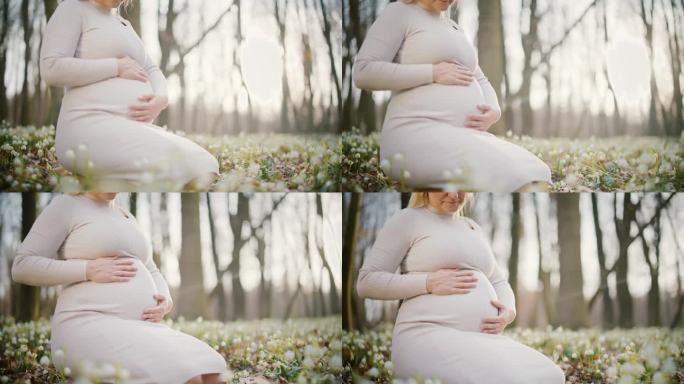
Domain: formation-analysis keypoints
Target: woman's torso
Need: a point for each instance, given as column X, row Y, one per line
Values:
column 103, row 36
column 442, row 242
column 431, row 39
column 104, row 231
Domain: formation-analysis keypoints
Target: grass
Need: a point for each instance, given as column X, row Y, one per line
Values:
column 248, row 162
column 581, row 165
column 641, row 355
column 300, row 350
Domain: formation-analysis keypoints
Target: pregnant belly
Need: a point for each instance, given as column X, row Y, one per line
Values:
column 447, row 103
column 463, row 312
column 126, row 300
column 113, row 95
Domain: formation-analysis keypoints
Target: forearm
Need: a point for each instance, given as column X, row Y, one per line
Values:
column 488, row 91
column 43, row 271
column 75, row 72
column 505, row 294
column 381, row 285
column 375, row 75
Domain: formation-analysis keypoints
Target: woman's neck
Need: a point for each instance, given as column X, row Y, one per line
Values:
column 428, row 9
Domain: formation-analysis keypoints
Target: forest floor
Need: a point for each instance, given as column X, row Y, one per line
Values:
column 262, row 351
column 248, row 162
column 581, row 165
column 640, row 355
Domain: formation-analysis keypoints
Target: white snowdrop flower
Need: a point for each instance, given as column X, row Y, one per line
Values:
column 82, row 148
column 4, row 379
column 571, row 179
column 69, row 154
column 67, row 371
column 622, row 163
column 310, row 350
column 373, row 372
column 673, row 349
column 45, row 361
column 385, row 165
column 447, row 175
column 626, row 379
column 647, row 159
column 289, row 355
column 388, row 365
column 254, row 168
column 659, row 378
column 336, row 345
column 253, row 347
column 642, row 168
column 40, row 153
column 407, row 175
column 612, row 372
column 308, row 362
column 336, row 361
column 669, row 366
column 90, row 164
column 227, row 375
column 398, row 157
column 107, row 370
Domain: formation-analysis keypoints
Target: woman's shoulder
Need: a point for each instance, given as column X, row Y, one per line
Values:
column 397, row 9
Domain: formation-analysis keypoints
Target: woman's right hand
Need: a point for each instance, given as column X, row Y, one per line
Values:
column 110, row 269
column 451, row 73
column 130, row 69
column 450, row 282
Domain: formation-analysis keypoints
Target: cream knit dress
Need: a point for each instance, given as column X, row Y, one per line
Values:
column 101, row 323
column 423, row 133
column 95, row 138
column 438, row 336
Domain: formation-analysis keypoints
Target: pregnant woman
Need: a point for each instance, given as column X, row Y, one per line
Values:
column 114, row 297
column 435, row 130
column 456, row 300
column 113, row 94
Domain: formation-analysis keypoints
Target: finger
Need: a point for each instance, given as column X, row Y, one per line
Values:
column 498, row 304
column 465, row 286
column 159, row 297
column 138, row 115
column 139, row 107
column 475, row 117
column 145, row 97
column 464, row 272
column 124, row 262
column 142, row 119
column 459, row 291
column 117, row 279
column 492, row 320
column 484, row 108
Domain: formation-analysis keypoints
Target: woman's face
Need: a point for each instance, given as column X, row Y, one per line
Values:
column 437, row 5
column 108, row 3
column 447, row 202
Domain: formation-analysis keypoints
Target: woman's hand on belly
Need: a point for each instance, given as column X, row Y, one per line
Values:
column 496, row 325
column 156, row 314
column 131, row 70
column 484, row 120
column 452, row 73
column 110, row 269
column 450, row 282
column 148, row 109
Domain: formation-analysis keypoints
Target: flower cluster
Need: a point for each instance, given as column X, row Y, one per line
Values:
column 579, row 165
column 254, row 162
column 298, row 351
column 640, row 355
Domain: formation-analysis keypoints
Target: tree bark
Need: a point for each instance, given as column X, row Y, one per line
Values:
column 192, row 298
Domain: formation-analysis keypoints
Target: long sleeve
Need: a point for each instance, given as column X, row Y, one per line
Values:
column 378, row 277
column 35, row 262
column 487, row 90
column 157, row 78
column 158, row 278
column 374, row 69
column 503, row 288
column 58, row 66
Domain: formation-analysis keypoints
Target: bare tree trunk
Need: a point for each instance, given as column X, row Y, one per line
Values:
column 27, row 23
column 543, row 276
column 571, row 308
column 491, row 49
column 607, row 317
column 348, row 255
column 622, row 229
column 4, row 29
column 26, row 302
column 334, row 295
column 515, row 243
column 236, row 223
column 219, row 289
column 192, row 298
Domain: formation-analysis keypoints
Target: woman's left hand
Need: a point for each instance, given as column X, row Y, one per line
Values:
column 148, row 109
column 156, row 314
column 496, row 325
column 485, row 120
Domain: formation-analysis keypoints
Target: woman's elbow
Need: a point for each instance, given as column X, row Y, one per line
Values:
column 362, row 289
column 361, row 76
column 18, row 271
column 50, row 74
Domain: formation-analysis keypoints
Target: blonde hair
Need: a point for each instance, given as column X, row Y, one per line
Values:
column 421, row 200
